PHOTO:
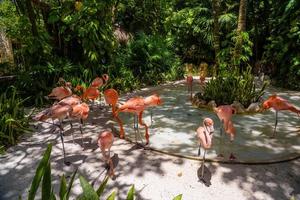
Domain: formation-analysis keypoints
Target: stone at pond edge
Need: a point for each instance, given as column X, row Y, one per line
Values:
column 212, row 104
column 239, row 107
column 254, row 107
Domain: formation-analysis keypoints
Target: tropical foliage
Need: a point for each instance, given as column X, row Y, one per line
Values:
column 145, row 42
column 225, row 90
column 13, row 121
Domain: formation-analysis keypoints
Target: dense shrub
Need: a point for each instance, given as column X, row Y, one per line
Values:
column 13, row 121
column 225, row 90
column 150, row 59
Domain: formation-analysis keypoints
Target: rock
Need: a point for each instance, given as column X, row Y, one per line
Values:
column 238, row 107
column 212, row 104
column 254, row 107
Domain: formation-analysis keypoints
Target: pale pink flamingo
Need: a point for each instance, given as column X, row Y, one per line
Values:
column 204, row 136
column 224, row 113
column 80, row 112
column 62, row 92
column 152, row 101
column 59, row 112
column 105, row 142
column 278, row 103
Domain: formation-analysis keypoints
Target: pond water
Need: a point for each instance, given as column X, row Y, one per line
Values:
column 176, row 121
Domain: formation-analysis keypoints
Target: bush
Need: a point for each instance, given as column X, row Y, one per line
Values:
column 13, row 121
column 225, row 90
column 150, row 59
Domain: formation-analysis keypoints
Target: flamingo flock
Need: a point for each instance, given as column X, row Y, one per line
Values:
column 75, row 108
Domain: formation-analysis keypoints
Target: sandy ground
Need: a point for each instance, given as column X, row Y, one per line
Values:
column 155, row 176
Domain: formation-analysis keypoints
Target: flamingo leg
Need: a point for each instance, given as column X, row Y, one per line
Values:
column 135, row 127
column 63, row 146
column 199, row 150
column 231, row 157
column 110, row 163
column 52, row 131
column 202, row 166
column 151, row 116
column 221, row 140
column 137, row 130
column 120, row 124
column 191, row 91
column 276, row 121
column 80, row 127
column 146, row 127
column 72, row 132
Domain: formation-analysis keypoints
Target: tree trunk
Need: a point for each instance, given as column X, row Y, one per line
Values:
column 6, row 51
column 216, row 34
column 242, row 16
column 240, row 29
column 31, row 16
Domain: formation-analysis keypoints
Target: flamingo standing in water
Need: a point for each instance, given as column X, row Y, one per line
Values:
column 137, row 105
column 278, row 103
column 204, row 136
column 189, row 81
column 105, row 141
column 225, row 113
column 59, row 112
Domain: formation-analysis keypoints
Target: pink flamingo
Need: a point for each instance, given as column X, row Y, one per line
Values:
column 111, row 97
column 137, row 106
column 189, row 80
column 59, row 112
column 105, row 142
column 152, row 101
column 204, row 136
column 225, row 113
column 278, row 103
column 80, row 112
column 59, row 93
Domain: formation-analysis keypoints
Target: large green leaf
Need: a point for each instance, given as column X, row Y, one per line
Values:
column 130, row 195
column 178, row 197
column 40, row 171
column 70, row 185
column 112, row 196
column 102, row 186
column 63, row 187
column 88, row 191
column 46, row 185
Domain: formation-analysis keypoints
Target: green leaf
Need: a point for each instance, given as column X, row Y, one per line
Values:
column 88, row 191
column 102, row 186
column 63, row 187
column 112, row 196
column 70, row 185
column 178, row 197
column 130, row 194
column 52, row 195
column 46, row 185
column 39, row 173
